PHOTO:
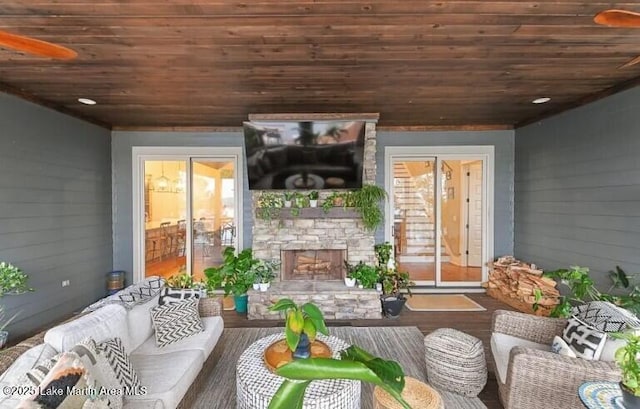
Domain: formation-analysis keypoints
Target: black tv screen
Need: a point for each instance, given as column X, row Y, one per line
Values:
column 309, row 155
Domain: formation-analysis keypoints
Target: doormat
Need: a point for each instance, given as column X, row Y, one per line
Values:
column 227, row 304
column 442, row 302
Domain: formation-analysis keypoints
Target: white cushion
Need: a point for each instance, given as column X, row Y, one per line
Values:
column 25, row 362
column 107, row 322
column 560, row 347
column 204, row 341
column 501, row 345
column 139, row 322
column 167, row 377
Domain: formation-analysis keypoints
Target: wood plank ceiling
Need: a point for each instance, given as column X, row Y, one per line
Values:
column 207, row 63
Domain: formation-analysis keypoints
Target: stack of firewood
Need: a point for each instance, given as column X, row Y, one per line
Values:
column 306, row 264
column 516, row 283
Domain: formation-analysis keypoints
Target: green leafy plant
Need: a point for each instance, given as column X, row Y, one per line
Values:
column 365, row 274
column 627, row 359
column 181, row 281
column 306, row 318
column 265, row 271
column 331, row 201
column 269, row 204
column 395, row 283
column 236, row 275
column 367, row 200
column 313, row 195
column 12, row 280
column 383, row 253
column 288, row 196
column 355, row 363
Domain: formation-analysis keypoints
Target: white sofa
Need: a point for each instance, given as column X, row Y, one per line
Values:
column 169, row 374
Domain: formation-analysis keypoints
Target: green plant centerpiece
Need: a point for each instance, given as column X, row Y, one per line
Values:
column 627, row 359
column 302, row 325
column 395, row 283
column 235, row 276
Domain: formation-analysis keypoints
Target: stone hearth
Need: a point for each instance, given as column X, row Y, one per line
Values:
column 335, row 300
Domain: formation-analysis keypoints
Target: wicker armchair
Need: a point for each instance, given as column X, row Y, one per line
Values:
column 537, row 376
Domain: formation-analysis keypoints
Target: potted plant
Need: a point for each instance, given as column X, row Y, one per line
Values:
column 264, row 272
column 350, row 278
column 268, row 205
column 366, row 201
column 302, row 325
column 12, row 280
column 367, row 276
column 627, row 359
column 394, row 282
column 236, row 275
column 288, row 199
column 313, row 198
column 354, row 363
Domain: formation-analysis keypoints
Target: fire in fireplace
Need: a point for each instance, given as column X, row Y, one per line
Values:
column 313, row 264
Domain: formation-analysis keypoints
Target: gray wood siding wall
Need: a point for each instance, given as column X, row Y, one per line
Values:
column 503, row 142
column 578, row 188
column 55, row 210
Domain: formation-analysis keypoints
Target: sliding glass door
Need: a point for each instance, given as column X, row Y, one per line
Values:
column 188, row 210
column 439, row 214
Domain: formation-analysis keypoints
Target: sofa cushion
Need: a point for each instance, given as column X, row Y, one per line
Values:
column 166, row 377
column 169, row 295
column 139, row 322
column 586, row 341
column 204, row 341
column 176, row 321
column 107, row 322
column 501, row 345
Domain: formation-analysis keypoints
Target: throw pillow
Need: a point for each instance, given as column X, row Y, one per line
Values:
column 585, row 341
column 605, row 316
column 101, row 369
column 560, row 347
column 68, row 372
column 171, row 295
column 176, row 321
column 131, row 299
column 118, row 359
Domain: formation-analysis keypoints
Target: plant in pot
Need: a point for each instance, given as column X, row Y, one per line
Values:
column 236, row 275
column 367, row 276
column 366, row 201
column 394, row 282
column 268, row 205
column 350, row 278
column 302, row 324
column 313, row 198
column 12, row 281
column 627, row 359
column 264, row 272
column 288, row 198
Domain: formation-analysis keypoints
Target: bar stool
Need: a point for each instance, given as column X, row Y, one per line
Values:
column 181, row 238
column 151, row 246
column 166, row 239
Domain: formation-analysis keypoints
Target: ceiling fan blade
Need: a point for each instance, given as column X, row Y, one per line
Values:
column 36, row 47
column 618, row 18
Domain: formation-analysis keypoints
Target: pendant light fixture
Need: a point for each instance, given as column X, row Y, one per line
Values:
column 162, row 183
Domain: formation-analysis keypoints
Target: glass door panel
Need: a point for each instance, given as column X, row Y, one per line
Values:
column 165, row 203
column 214, row 219
column 461, row 230
column 414, row 218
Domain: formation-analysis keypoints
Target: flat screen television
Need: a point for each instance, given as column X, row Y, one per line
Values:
column 308, row 155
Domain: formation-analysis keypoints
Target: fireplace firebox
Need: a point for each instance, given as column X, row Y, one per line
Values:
column 325, row 264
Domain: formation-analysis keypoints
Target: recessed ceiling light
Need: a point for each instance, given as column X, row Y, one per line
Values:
column 541, row 100
column 86, row 101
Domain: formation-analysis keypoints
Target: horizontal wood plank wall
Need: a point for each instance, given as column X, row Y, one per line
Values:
column 578, row 188
column 55, row 210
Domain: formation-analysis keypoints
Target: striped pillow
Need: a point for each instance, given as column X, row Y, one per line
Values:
column 171, row 295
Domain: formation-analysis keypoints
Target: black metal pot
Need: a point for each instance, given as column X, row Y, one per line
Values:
column 630, row 400
column 392, row 306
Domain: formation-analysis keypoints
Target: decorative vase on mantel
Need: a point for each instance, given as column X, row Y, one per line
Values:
column 303, row 350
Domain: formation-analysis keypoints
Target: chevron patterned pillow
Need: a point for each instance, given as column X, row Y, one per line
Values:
column 176, row 321
column 117, row 357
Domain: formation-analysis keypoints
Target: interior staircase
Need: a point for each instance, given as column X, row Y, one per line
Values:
column 414, row 205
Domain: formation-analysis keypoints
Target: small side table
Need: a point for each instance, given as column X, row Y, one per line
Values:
column 601, row 395
column 256, row 385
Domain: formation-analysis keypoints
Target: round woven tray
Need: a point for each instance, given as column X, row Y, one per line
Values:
column 417, row 394
column 278, row 353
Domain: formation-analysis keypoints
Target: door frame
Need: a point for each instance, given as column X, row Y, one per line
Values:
column 486, row 153
column 140, row 154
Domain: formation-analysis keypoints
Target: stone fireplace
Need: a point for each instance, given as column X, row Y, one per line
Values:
column 312, row 248
column 322, row 264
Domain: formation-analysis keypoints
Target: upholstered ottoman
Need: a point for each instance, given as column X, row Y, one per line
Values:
column 455, row 361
